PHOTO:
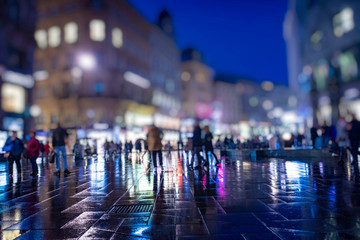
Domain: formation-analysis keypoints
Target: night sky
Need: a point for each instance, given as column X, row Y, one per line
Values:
column 235, row 36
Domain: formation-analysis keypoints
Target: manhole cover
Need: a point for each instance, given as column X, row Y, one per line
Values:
column 137, row 208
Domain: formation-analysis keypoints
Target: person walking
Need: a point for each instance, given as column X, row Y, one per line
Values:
column 209, row 148
column 314, row 135
column 33, row 152
column 14, row 147
column 197, row 145
column 154, row 137
column 342, row 138
column 354, row 137
column 59, row 137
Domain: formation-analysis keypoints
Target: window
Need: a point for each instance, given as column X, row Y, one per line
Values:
column 317, row 36
column 54, row 118
column 97, row 30
column 71, row 32
column 343, row 22
column 117, row 37
column 12, row 98
column 54, row 36
column 41, row 38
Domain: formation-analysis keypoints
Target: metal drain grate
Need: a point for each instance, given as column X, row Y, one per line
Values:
column 137, row 208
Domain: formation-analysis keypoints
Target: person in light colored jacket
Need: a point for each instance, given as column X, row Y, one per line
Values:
column 154, row 137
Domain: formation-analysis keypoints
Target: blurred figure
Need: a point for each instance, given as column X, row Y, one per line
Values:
column 342, row 138
column 88, row 149
column 299, row 139
column 119, row 147
column 209, row 148
column 33, row 152
column 314, row 134
column 77, row 150
column 42, row 150
column 354, row 137
column 138, row 147
column 47, row 148
column 113, row 148
column 180, row 145
column 59, row 137
column 106, row 148
column 154, row 144
column 197, row 145
column 95, row 147
column 14, row 147
column 327, row 134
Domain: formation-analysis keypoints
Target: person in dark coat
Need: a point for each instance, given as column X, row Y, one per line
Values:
column 59, row 137
column 33, row 152
column 17, row 148
column 209, row 148
column 354, row 137
column 314, row 135
column 197, row 145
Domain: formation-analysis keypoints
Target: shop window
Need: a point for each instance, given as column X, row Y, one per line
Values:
column 321, row 74
column 348, row 66
column 97, row 30
column 343, row 22
column 13, row 98
column 71, row 32
column 54, row 118
column 54, row 36
column 41, row 38
column 117, row 37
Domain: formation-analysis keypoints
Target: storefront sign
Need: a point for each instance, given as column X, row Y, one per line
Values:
column 18, row 79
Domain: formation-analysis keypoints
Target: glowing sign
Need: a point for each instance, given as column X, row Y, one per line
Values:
column 136, row 80
column 18, row 79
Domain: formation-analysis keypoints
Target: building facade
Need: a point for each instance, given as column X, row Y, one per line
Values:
column 95, row 62
column 197, row 85
column 17, row 25
column 323, row 39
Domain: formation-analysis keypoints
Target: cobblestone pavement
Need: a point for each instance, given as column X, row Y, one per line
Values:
column 125, row 199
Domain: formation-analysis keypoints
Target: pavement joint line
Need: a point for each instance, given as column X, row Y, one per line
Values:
column 22, row 220
column 115, row 204
column 157, row 194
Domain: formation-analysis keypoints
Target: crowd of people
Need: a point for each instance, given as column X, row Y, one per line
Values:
column 15, row 149
column 340, row 138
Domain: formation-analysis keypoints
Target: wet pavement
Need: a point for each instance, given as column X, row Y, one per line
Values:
column 126, row 199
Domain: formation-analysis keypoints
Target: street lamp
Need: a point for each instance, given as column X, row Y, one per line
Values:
column 86, row 61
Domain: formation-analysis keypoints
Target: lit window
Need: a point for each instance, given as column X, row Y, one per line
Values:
column 117, row 37
column 316, row 37
column 12, row 98
column 54, row 36
column 71, row 32
column 343, row 22
column 185, row 76
column 40, row 37
column 348, row 66
column 97, row 30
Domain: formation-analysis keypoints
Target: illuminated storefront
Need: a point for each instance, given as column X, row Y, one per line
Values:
column 15, row 103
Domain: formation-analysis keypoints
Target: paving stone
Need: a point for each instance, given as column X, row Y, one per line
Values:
column 242, row 199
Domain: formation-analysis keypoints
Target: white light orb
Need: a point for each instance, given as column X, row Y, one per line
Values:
column 87, row 61
column 35, row 110
column 267, row 105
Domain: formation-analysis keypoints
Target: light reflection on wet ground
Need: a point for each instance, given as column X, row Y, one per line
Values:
column 243, row 199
